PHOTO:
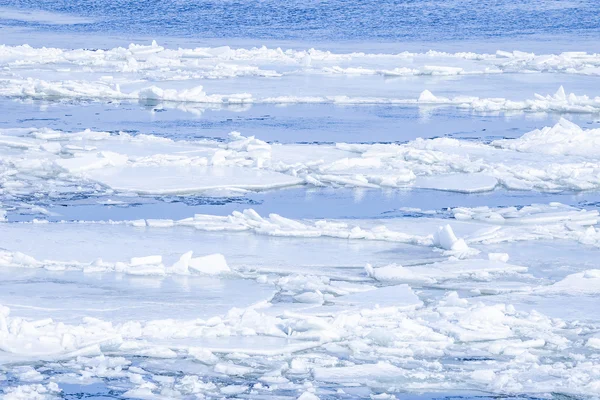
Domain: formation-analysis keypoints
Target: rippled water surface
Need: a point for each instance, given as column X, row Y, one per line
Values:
column 320, row 20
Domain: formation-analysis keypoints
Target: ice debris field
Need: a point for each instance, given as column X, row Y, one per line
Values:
column 153, row 74
column 494, row 300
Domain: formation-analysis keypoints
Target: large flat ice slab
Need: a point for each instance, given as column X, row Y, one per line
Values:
column 186, row 180
column 42, row 160
column 71, row 296
column 443, row 271
column 400, row 296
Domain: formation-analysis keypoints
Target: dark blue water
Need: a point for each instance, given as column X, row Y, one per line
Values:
column 323, row 20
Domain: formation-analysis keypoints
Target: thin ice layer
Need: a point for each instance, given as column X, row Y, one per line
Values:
column 184, row 180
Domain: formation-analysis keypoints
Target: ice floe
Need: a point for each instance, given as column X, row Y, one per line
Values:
column 482, row 299
column 586, row 282
column 182, row 61
column 551, row 159
column 213, row 264
column 31, row 88
column 442, row 271
column 376, row 346
column 183, row 78
column 564, row 138
column 382, row 328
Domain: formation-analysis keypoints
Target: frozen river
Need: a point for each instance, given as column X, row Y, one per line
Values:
column 301, row 200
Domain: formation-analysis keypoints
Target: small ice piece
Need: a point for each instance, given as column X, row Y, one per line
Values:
column 445, row 237
column 483, row 375
column 151, row 94
column 427, row 97
column 560, row 94
column 213, row 264
column 232, row 369
column 397, row 273
column 138, row 223
column 203, row 356
column 594, row 343
column 308, row 396
column 19, row 258
column 383, row 396
column 306, row 61
column 182, row 265
column 447, row 240
column 400, row 296
column 157, row 352
column 370, row 271
column 315, row 297
column 502, row 257
column 452, row 299
column 149, row 260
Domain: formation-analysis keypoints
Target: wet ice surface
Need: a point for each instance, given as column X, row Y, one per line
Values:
column 388, row 222
column 293, row 203
column 284, row 124
column 124, row 298
column 284, row 282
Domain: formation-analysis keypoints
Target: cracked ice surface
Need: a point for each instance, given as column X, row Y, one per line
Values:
column 493, row 300
column 411, row 310
column 88, row 162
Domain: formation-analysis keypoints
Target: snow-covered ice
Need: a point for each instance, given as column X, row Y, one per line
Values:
column 370, row 325
column 150, row 58
column 153, row 74
column 41, row 159
column 492, row 300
